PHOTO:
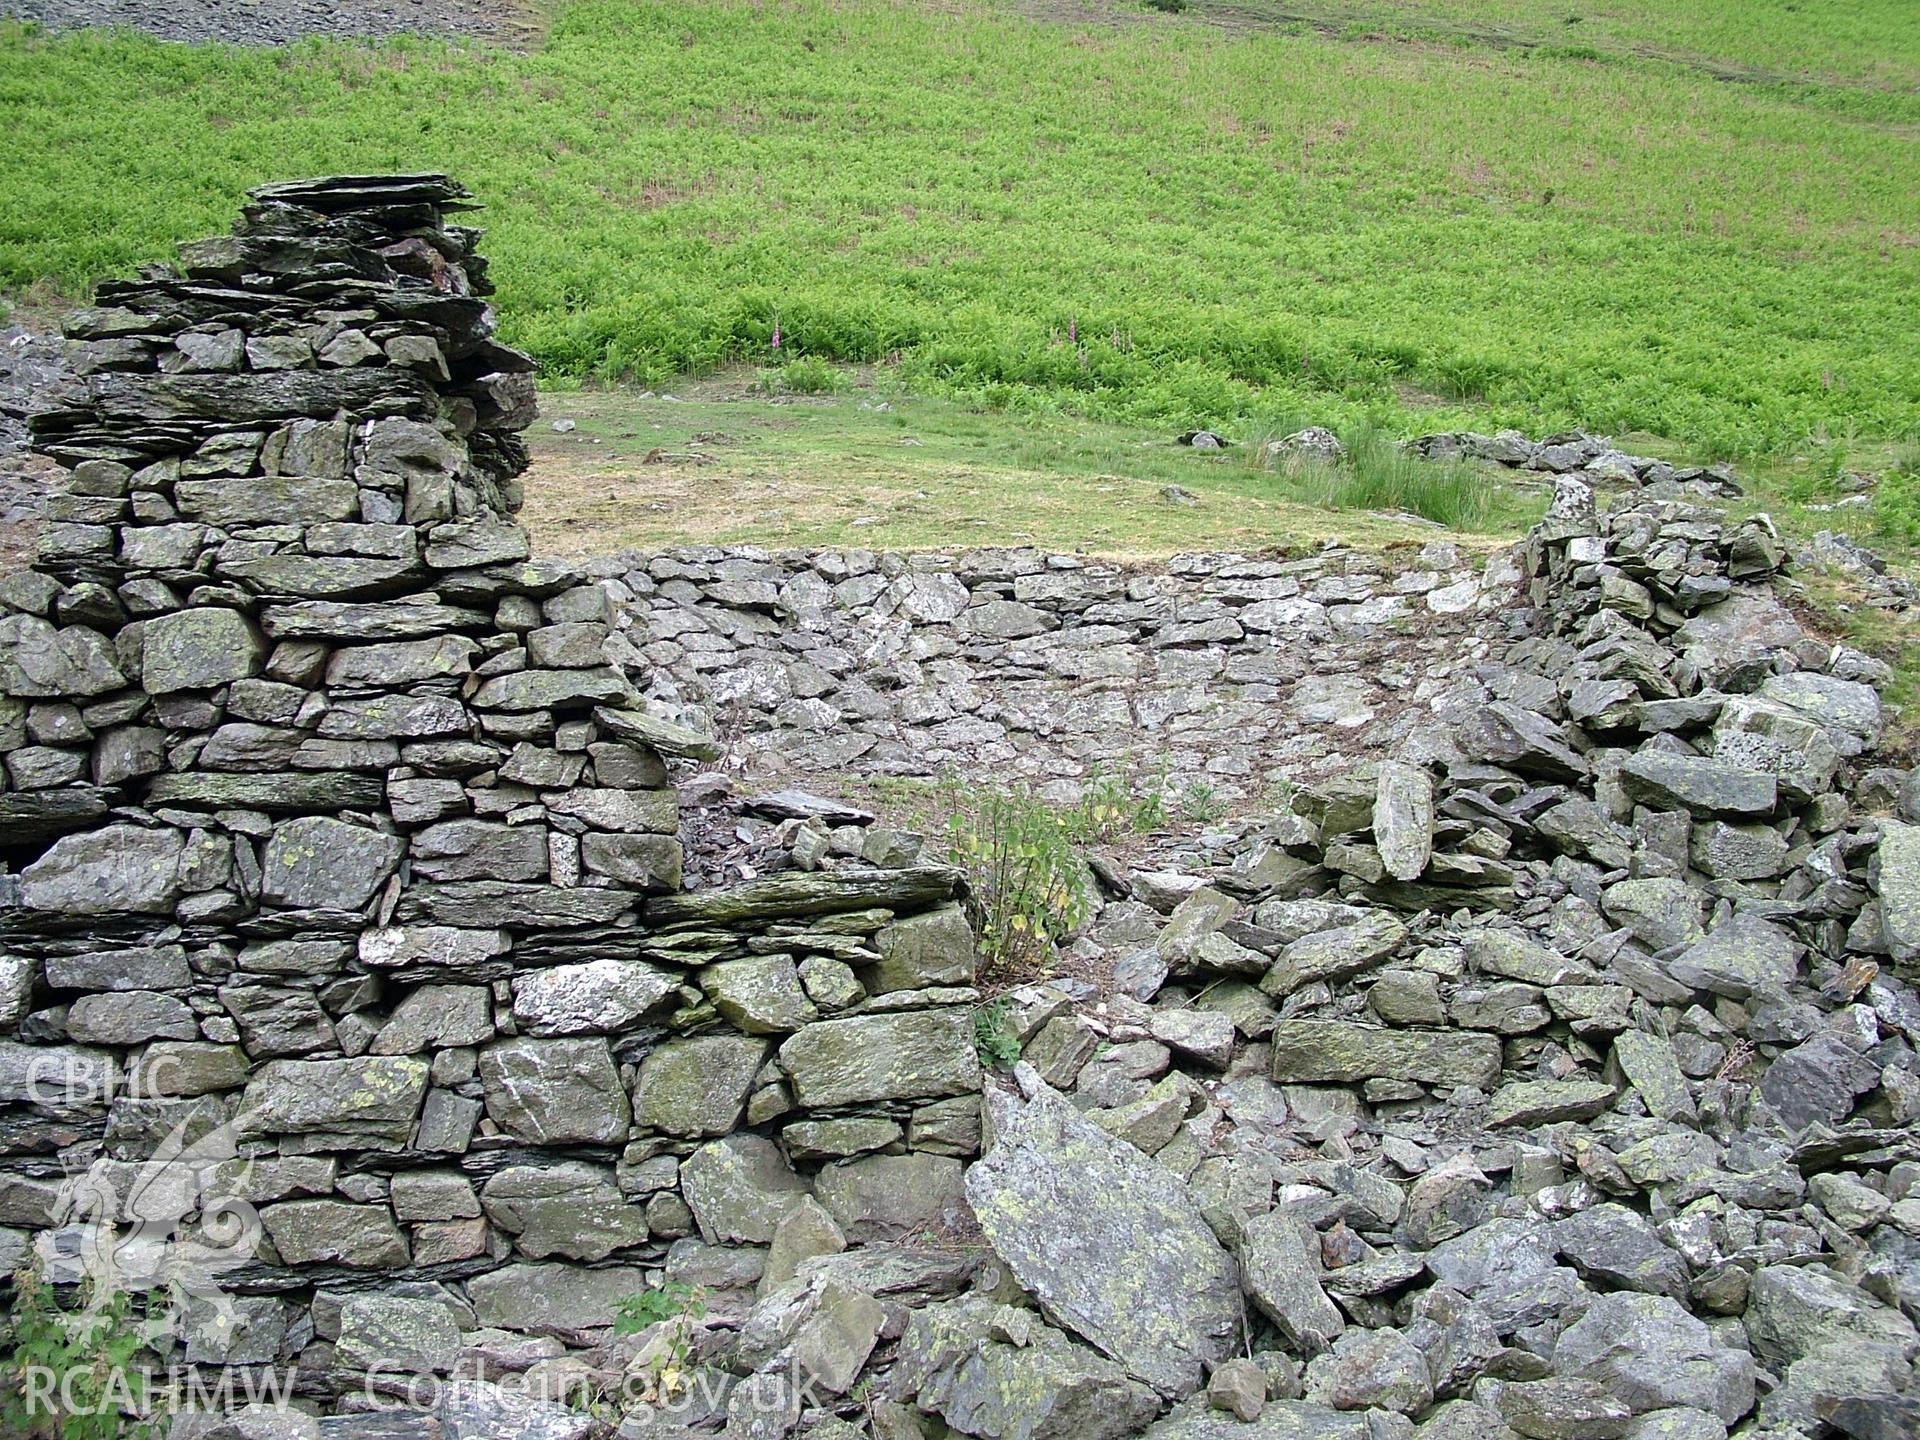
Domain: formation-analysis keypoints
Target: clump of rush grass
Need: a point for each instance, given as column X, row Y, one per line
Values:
column 1375, row 473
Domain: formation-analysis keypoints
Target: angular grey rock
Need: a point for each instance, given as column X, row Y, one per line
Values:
column 396, row 1334
column 1372, row 1369
column 538, row 1298
column 570, row 1209
column 918, row 1054
column 1516, row 957
column 323, row 1232
column 1648, row 1351
column 993, row 1371
column 934, row 948
column 1660, row 911
column 436, row 1016
column 1511, row 735
column 1897, row 878
column 340, row 1104
column 740, row 1189
column 697, row 1086
column 602, row 996
column 1706, row 787
column 1743, row 956
column 1329, row 1051
column 38, row 661
column 315, row 861
column 1403, row 819
column 1563, row 1409
column 555, row 1092
column 760, row 994
column 469, row 1409
column 198, row 649
column 1280, row 1420
column 1615, row 1246
column 1110, row 1244
column 1817, row 1082
column 118, row 868
column 1793, row 1310
column 130, row 1017
column 1280, row 1267
column 1545, row 1102
column 1335, row 953
column 1652, row 1068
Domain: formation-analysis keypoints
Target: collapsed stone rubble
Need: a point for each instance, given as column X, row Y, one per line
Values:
column 1556, row 1079
column 1592, row 458
column 1548, row 1073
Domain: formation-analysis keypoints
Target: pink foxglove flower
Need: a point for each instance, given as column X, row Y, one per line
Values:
column 1073, row 329
column 776, row 332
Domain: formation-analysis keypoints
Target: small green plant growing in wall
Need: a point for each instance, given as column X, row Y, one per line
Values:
column 677, row 1304
column 71, row 1373
column 1026, row 881
column 993, row 1036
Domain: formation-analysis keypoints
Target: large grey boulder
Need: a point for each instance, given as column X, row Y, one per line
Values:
column 760, row 994
column 1651, row 1353
column 570, row 1209
column 469, row 1409
column 555, row 1092
column 1793, row 1310
column 1111, row 1245
column 1742, row 956
column 335, row 1232
column 1403, row 819
column 740, row 1189
column 1706, row 787
column 370, row 1102
column 935, row 948
column 1617, row 1247
column 396, row 1334
column 547, row 1297
column 315, row 861
column 1335, row 952
column 198, row 650
column 697, row 1085
column 1817, row 1082
column 1280, row 1267
column 38, row 661
column 1330, row 1051
column 1279, row 1420
column 601, row 996
column 915, row 1055
column 1897, row 872
column 117, row 868
column 999, row 1373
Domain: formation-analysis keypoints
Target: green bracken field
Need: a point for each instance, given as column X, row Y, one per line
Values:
column 1404, row 215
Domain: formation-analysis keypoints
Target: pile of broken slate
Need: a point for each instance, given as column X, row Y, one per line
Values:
column 1557, row 1081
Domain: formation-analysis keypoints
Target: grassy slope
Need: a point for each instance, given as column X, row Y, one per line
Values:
column 719, row 464
column 1874, row 43
column 1240, row 225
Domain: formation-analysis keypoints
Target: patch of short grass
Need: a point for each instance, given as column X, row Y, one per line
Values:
column 1377, row 474
column 721, row 462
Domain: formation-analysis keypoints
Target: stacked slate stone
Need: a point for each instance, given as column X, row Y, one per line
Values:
column 1613, row 1137
column 1219, row 670
column 345, row 861
column 1592, row 458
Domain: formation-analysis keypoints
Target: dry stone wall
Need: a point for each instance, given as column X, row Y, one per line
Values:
column 1225, row 671
column 345, row 888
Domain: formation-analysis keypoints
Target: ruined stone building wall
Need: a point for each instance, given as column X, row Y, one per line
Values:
column 343, row 852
